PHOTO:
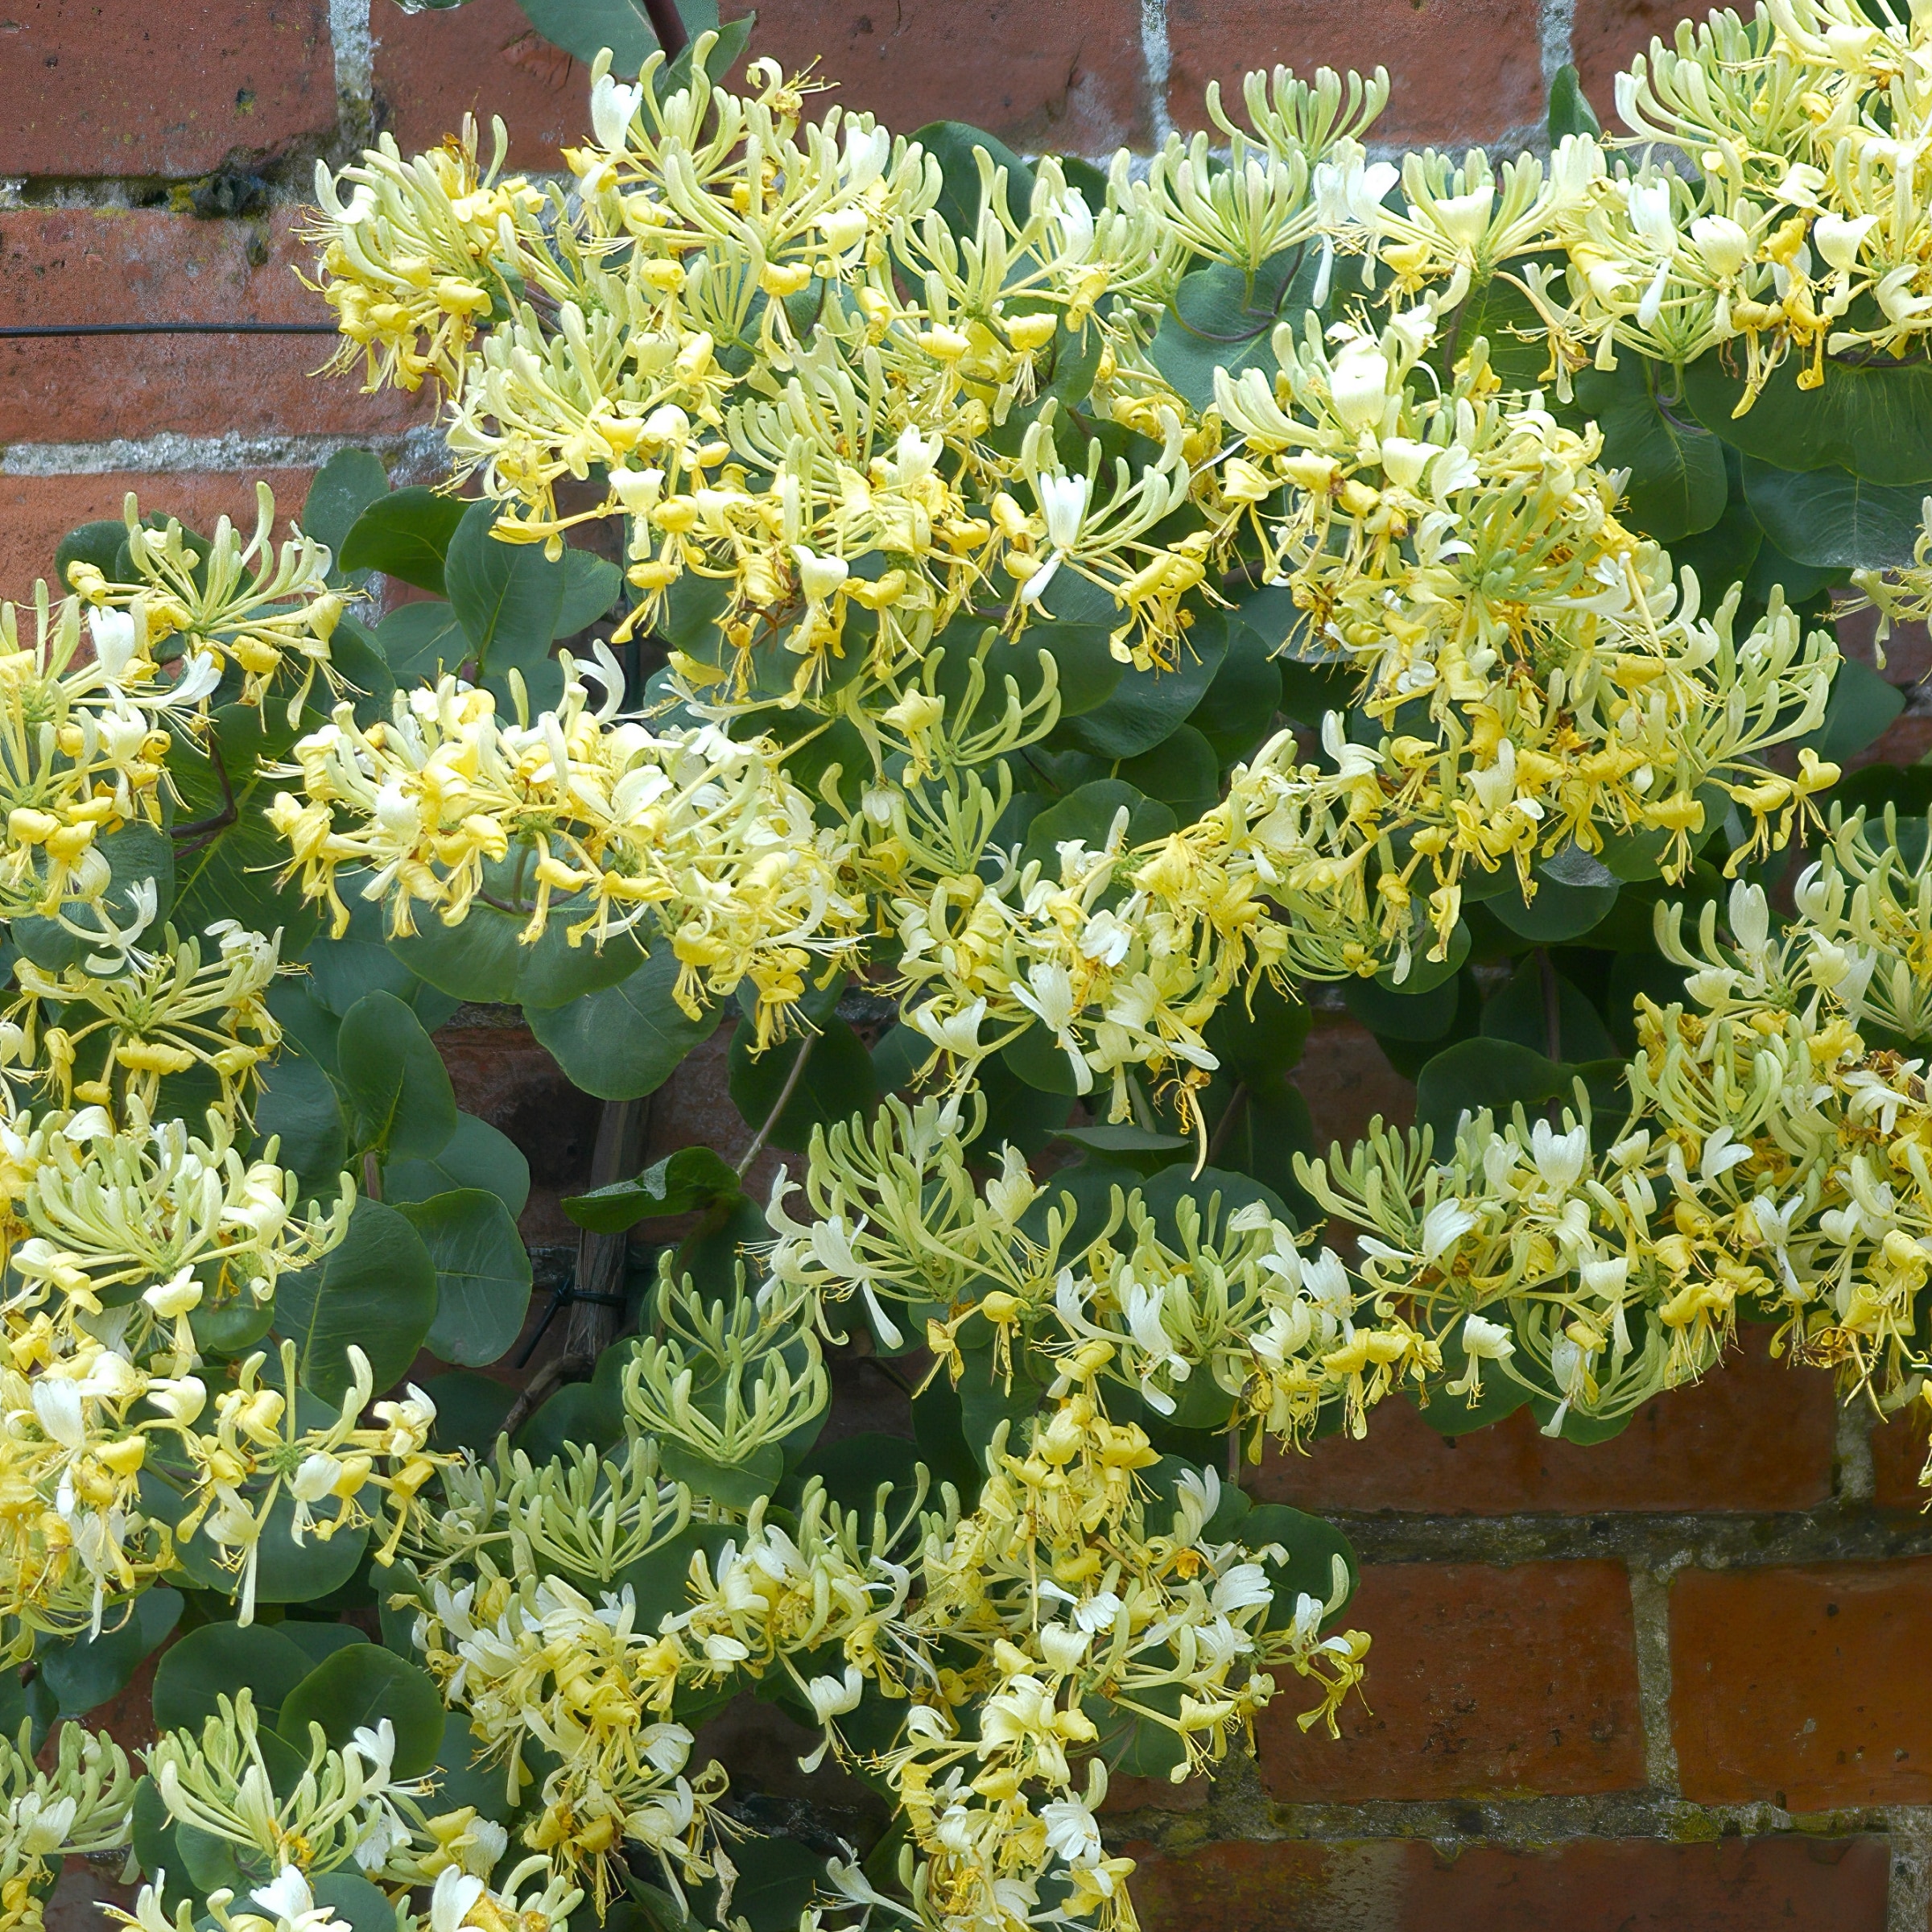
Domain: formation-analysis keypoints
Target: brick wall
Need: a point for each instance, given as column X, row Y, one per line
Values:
column 1674, row 1681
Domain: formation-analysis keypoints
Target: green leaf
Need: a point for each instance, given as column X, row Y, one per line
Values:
column 1570, row 110
column 220, row 1658
column 1474, row 1074
column 1678, row 484
column 482, row 959
column 1259, row 1036
column 405, row 535
column 1146, row 706
column 233, row 875
column 1557, row 912
column 1874, row 419
column 626, row 1041
column 1123, row 1140
column 1239, row 709
column 1858, row 712
column 98, row 543
column 1222, row 318
column 1181, row 772
column 1088, row 813
column 737, row 1486
column 341, row 971
column 82, row 1672
column 591, row 584
column 319, row 1642
column 420, row 641
column 395, row 1079
column 507, row 596
column 953, row 145
column 837, row 1081
column 585, row 27
column 476, row 1155
column 1401, row 1014
column 482, row 1274
column 286, row 1571
column 353, row 1901
column 576, row 1414
column 377, row 1291
column 355, row 1690
column 1314, row 1549
column 1518, row 1011
column 1832, row 519
column 470, row 1410
column 680, row 1183
column 345, row 486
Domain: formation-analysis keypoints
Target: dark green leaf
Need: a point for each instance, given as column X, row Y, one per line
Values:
column 1570, row 110
column 470, row 1410
column 482, row 1274
column 286, row 1571
column 1557, row 912
column 591, row 584
column 82, row 1672
column 1147, row 705
column 395, row 1079
column 318, row 1642
column 1182, row 772
column 626, row 1041
column 1087, row 814
column 376, row 1292
column 355, row 1690
column 953, row 145
column 420, row 641
column 1677, row 484
column 345, row 486
column 217, row 1660
column 1518, row 1011
column 353, row 1901
column 1874, row 419
column 585, row 27
column 507, row 596
column 1222, row 318
column 405, row 535
column 691, row 1178
column 1860, row 707
column 836, row 1083
column 1832, row 519
column 1474, row 1074
column 1239, row 709
column 476, row 1155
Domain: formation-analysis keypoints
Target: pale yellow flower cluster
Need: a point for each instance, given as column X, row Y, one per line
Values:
column 598, row 821
column 79, row 1804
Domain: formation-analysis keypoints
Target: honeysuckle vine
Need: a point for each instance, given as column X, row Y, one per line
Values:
column 1076, row 613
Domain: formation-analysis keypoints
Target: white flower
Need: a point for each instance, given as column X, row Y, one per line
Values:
column 57, row 1407
column 116, row 637
column 819, row 576
column 449, row 1904
column 1072, row 1831
column 1839, row 239
column 614, row 106
column 1442, row 1226
column 174, row 1297
column 1724, row 245
column 1358, row 384
column 1490, row 1340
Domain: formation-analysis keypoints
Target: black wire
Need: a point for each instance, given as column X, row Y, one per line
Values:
column 13, row 331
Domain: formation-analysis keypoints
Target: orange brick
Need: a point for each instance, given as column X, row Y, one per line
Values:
column 1462, row 70
column 122, row 265
column 1898, row 1453
column 1346, row 1080
column 1804, row 1686
column 434, row 66
column 1586, row 1885
column 1482, row 1680
column 1753, row 1434
column 37, row 512
column 1609, row 34
column 99, row 87
column 1062, row 74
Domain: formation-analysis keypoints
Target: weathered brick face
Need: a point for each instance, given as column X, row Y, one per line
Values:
column 1676, row 1680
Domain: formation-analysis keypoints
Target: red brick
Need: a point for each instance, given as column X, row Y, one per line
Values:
column 1898, row 1454
column 37, row 512
column 1346, row 1081
column 1609, row 34
column 1482, row 1680
column 105, row 87
column 1061, row 74
column 1907, row 740
column 1586, row 1884
column 1753, row 1434
column 433, row 67
column 502, row 1074
column 1462, row 70
column 124, row 265
column 1806, row 1686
